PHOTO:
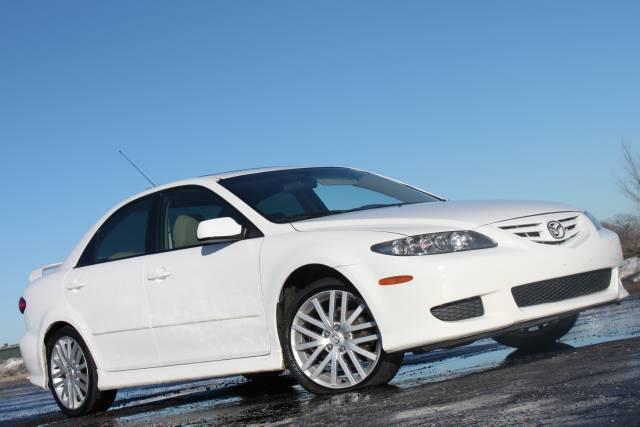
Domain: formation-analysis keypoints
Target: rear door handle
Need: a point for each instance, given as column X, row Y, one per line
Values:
column 74, row 285
column 159, row 274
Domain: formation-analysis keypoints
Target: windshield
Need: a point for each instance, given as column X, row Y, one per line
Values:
column 298, row 194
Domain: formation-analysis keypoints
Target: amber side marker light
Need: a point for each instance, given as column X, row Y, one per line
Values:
column 395, row 280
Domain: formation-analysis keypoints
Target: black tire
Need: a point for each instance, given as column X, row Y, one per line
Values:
column 543, row 336
column 387, row 364
column 96, row 400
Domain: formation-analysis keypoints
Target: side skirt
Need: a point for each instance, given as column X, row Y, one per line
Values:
column 191, row 371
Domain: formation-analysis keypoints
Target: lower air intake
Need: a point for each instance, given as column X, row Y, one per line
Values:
column 562, row 288
column 459, row 310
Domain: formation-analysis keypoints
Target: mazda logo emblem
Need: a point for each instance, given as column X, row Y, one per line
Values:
column 556, row 229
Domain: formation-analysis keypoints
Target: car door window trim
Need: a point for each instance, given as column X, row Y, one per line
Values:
column 154, row 237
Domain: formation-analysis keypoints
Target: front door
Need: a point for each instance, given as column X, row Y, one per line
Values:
column 204, row 299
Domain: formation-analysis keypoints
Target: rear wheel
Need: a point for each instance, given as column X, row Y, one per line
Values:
column 332, row 342
column 72, row 375
column 538, row 336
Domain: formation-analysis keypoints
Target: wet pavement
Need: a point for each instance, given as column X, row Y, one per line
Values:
column 591, row 377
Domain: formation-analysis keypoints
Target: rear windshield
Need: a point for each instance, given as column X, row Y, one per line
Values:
column 299, row 194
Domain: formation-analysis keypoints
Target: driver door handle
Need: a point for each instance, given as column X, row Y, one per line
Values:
column 159, row 274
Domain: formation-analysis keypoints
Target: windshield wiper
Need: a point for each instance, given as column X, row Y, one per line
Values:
column 310, row 215
column 378, row 205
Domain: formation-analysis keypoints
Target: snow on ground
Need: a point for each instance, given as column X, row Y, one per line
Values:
column 12, row 367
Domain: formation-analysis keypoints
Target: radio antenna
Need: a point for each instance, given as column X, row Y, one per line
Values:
column 136, row 168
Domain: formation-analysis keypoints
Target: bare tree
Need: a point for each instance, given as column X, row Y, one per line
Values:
column 628, row 229
column 627, row 226
column 630, row 184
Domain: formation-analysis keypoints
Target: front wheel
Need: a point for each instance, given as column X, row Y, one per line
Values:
column 538, row 336
column 332, row 342
column 73, row 377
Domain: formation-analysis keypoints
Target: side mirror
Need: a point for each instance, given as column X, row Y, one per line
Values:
column 219, row 228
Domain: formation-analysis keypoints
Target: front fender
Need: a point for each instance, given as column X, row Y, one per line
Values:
column 281, row 255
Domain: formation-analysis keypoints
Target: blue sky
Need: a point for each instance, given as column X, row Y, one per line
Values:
column 524, row 100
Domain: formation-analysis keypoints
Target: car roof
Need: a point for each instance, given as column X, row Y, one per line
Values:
column 241, row 172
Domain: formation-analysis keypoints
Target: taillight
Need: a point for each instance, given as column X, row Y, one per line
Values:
column 22, row 305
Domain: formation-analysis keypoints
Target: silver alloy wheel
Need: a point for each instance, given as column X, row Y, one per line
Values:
column 335, row 341
column 69, row 372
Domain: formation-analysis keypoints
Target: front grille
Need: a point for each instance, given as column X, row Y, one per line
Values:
column 459, row 310
column 562, row 288
column 534, row 228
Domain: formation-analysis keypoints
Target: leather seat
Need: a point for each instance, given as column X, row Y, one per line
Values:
column 185, row 231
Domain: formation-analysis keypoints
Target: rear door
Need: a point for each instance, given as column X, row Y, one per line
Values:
column 107, row 290
column 205, row 300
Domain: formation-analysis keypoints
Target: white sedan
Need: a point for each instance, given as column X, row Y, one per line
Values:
column 332, row 273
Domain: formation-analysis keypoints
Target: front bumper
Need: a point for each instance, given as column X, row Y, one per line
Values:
column 403, row 311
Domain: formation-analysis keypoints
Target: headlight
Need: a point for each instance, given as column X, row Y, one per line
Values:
column 593, row 220
column 435, row 243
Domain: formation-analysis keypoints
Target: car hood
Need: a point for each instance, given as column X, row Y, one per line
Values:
column 422, row 217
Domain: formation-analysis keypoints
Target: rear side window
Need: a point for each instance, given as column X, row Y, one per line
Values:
column 123, row 235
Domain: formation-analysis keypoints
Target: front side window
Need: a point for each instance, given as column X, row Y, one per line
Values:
column 298, row 194
column 123, row 235
column 184, row 209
